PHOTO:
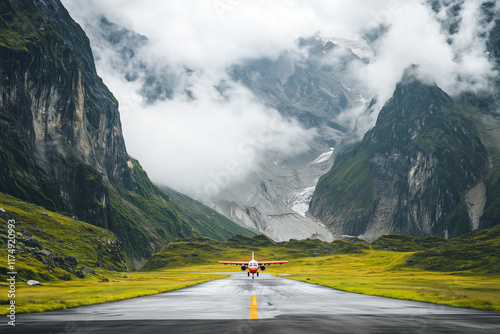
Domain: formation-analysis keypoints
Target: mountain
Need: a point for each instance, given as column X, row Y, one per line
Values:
column 369, row 190
column 312, row 88
column 410, row 174
column 209, row 222
column 61, row 142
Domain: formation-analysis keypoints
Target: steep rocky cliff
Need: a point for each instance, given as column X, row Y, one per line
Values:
column 410, row 173
column 61, row 143
column 57, row 112
column 491, row 122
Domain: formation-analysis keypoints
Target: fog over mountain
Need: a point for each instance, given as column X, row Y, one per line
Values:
column 172, row 136
column 198, row 113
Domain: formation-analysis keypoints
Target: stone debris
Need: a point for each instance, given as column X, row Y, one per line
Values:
column 33, row 282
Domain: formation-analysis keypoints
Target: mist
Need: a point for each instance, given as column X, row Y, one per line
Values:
column 206, row 131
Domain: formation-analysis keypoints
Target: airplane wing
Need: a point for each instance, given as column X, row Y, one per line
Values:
column 234, row 262
column 272, row 262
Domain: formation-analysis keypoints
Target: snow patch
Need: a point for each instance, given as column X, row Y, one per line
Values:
column 323, row 157
column 349, row 40
column 302, row 200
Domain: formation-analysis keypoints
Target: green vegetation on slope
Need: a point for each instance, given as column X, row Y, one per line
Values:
column 209, row 222
column 17, row 32
column 406, row 243
column 143, row 218
column 198, row 251
column 477, row 251
column 52, row 247
column 349, row 183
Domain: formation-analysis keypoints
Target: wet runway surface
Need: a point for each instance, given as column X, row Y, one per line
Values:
column 282, row 306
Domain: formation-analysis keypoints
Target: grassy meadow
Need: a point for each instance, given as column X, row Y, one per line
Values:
column 395, row 266
column 80, row 264
column 116, row 286
column 383, row 273
column 373, row 272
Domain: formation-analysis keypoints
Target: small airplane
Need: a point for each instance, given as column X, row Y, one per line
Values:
column 252, row 265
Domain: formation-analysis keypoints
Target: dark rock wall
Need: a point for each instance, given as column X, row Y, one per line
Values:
column 409, row 173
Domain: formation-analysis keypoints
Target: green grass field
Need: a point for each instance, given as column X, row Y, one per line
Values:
column 463, row 271
column 373, row 272
column 384, row 273
column 66, row 294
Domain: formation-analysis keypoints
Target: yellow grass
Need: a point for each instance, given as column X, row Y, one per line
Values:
column 380, row 273
column 66, row 294
column 373, row 272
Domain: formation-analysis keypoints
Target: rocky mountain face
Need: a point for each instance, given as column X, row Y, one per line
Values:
column 410, row 173
column 314, row 90
column 57, row 113
column 61, row 143
column 311, row 87
column 491, row 121
column 430, row 165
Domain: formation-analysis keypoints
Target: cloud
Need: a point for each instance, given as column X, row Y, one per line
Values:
column 211, row 142
column 412, row 33
column 198, row 35
column 190, row 135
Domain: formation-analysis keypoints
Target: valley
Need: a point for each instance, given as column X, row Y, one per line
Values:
column 141, row 145
column 462, row 272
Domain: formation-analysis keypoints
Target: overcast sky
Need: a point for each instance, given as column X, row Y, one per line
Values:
column 186, row 143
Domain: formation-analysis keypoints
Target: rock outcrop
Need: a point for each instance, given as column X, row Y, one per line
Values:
column 61, row 121
column 61, row 141
column 410, row 173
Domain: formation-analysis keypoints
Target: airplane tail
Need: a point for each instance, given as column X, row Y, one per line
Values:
column 252, row 256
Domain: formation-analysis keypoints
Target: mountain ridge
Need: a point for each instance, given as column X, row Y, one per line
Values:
column 61, row 144
column 409, row 173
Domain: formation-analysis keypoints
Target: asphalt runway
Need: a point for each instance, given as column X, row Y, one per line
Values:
column 266, row 304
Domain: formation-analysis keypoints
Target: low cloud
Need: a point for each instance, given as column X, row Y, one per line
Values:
column 202, row 131
column 411, row 33
column 212, row 141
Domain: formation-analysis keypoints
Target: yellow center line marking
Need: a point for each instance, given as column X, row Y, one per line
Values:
column 253, row 308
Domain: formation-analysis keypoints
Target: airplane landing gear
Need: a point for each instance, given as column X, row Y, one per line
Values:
column 257, row 274
column 248, row 274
